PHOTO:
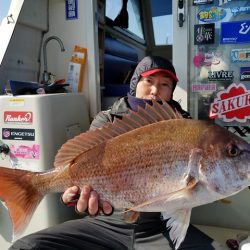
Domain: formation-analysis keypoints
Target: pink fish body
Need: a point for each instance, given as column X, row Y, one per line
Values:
column 152, row 160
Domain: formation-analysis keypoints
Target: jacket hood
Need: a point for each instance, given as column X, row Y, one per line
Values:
column 150, row 65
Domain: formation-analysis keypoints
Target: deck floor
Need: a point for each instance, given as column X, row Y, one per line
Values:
column 221, row 235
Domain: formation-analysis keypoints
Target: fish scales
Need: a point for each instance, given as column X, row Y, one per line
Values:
column 139, row 157
column 165, row 164
column 128, row 161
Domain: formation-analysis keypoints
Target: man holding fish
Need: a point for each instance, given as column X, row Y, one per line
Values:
column 150, row 161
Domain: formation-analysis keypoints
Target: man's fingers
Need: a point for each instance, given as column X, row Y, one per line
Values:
column 107, row 209
column 82, row 203
column 93, row 206
column 86, row 200
column 70, row 195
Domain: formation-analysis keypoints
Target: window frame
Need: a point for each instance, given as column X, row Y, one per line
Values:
column 8, row 25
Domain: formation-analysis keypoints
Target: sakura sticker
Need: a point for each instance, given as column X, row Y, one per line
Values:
column 25, row 151
column 231, row 104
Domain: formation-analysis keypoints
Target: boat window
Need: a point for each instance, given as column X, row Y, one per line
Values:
column 5, row 5
column 162, row 19
column 9, row 12
column 116, row 7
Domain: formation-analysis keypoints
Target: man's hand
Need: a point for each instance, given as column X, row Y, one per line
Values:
column 86, row 200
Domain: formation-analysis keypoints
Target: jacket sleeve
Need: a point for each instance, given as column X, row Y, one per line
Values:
column 101, row 119
column 178, row 107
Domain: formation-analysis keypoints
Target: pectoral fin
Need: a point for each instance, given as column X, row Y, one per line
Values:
column 192, row 177
column 131, row 216
column 159, row 201
column 178, row 222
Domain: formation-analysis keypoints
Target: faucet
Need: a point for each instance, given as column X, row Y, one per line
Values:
column 46, row 75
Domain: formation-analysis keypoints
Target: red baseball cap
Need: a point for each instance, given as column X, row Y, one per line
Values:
column 153, row 71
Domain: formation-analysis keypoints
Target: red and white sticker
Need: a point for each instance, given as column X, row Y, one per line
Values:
column 231, row 104
column 18, row 117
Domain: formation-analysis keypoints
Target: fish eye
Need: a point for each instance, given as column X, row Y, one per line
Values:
column 233, row 150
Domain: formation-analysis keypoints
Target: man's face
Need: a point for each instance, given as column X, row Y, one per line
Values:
column 156, row 86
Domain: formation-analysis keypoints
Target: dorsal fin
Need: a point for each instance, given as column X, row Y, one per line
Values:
column 85, row 141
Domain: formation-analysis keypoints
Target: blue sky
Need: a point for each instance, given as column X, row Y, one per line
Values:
column 4, row 8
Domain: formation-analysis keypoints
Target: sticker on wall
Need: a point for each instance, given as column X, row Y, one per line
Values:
column 231, row 104
column 222, row 75
column 18, row 117
column 240, row 55
column 235, row 32
column 239, row 10
column 200, row 87
column 211, row 57
column 16, row 102
column 25, row 151
column 222, row 2
column 198, row 59
column 245, row 73
column 18, row 134
column 200, row 2
column 204, row 34
column 211, row 15
column 71, row 9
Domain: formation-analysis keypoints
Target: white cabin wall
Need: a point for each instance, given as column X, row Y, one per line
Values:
column 82, row 32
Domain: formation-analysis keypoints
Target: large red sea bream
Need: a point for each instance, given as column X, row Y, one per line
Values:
column 152, row 160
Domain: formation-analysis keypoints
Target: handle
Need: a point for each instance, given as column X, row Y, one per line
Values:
column 180, row 13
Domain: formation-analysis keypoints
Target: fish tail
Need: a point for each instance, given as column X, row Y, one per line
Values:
column 20, row 196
